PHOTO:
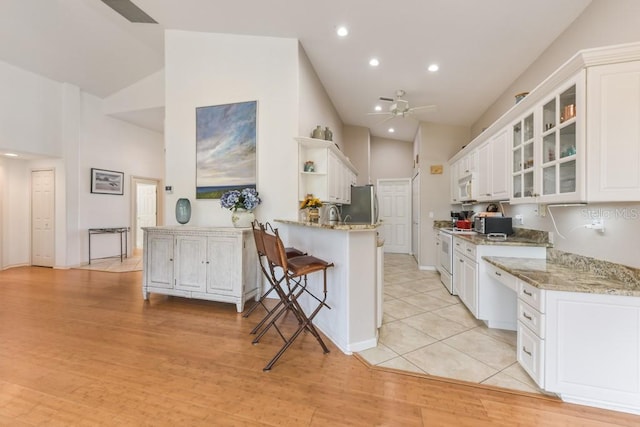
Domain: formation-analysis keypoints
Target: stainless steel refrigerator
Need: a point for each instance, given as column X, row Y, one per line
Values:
column 364, row 206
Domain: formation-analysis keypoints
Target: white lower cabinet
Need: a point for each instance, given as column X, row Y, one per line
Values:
column 531, row 343
column 584, row 347
column 465, row 274
column 217, row 264
column 592, row 353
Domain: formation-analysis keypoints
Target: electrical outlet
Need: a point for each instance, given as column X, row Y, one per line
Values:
column 519, row 219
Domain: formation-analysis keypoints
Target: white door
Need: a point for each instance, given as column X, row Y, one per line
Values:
column 394, row 198
column 415, row 217
column 146, row 203
column 42, row 225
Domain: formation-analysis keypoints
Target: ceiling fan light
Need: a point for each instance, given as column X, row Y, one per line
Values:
column 342, row 31
column 391, row 130
column 433, row 68
column 377, row 108
column 374, row 62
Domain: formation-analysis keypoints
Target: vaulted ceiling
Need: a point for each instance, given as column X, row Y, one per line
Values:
column 481, row 46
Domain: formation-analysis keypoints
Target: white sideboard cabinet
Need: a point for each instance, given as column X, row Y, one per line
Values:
column 216, row 264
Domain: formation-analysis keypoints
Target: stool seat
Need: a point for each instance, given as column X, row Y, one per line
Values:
column 302, row 265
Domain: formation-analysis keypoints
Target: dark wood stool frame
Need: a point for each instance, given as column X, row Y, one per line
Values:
column 290, row 276
column 258, row 229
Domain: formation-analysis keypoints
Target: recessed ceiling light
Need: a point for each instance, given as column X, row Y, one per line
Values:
column 433, row 68
column 374, row 62
column 11, row 154
column 391, row 130
column 342, row 31
column 378, row 108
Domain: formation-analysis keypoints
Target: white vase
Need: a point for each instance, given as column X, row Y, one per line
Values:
column 242, row 218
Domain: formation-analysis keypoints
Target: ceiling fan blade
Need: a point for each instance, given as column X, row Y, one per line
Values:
column 384, row 98
column 379, row 114
column 424, row 108
column 385, row 120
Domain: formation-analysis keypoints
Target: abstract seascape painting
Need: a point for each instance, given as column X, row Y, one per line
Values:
column 225, row 148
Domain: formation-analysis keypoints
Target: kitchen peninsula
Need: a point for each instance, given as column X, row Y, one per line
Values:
column 351, row 283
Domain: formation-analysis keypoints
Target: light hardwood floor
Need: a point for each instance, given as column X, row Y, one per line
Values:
column 81, row 347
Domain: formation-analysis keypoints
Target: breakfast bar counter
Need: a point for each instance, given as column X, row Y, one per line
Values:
column 351, row 283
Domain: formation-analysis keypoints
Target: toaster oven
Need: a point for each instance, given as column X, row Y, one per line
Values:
column 493, row 224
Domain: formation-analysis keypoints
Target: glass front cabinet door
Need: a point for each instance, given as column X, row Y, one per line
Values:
column 561, row 150
column 523, row 159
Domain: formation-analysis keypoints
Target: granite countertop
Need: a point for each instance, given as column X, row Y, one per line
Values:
column 556, row 275
column 514, row 240
column 339, row 226
column 521, row 236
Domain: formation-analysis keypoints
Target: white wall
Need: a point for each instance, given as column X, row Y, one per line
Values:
column 437, row 143
column 204, row 69
column 29, row 112
column 390, row 158
column 357, row 147
column 15, row 209
column 112, row 144
column 63, row 129
column 315, row 107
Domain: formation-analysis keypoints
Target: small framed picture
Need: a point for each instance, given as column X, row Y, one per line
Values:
column 107, row 182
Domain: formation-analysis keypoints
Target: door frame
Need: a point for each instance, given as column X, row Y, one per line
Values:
column 134, row 204
column 415, row 221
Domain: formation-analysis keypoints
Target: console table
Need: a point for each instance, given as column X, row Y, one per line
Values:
column 120, row 230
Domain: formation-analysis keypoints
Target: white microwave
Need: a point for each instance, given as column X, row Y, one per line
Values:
column 465, row 188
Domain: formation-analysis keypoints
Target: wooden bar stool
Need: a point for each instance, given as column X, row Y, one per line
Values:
column 291, row 275
column 258, row 230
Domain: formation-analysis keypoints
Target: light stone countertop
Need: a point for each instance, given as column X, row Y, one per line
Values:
column 555, row 276
column 339, row 226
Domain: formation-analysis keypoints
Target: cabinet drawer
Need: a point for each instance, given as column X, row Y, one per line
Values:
column 531, row 354
column 531, row 295
column 532, row 318
column 470, row 250
column 503, row 277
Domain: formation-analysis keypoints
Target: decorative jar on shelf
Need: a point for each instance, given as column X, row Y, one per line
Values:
column 318, row 133
column 183, row 211
column 242, row 218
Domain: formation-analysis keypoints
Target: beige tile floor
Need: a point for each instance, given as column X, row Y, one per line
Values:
column 113, row 264
column 426, row 330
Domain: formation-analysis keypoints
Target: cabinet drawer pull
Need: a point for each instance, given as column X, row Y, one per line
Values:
column 461, row 260
column 526, row 351
column 498, row 274
column 468, row 250
column 529, row 294
column 526, row 316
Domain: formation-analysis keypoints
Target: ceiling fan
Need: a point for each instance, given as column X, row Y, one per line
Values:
column 400, row 107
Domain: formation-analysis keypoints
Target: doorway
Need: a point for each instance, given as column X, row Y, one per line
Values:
column 145, row 209
column 394, row 196
column 42, row 220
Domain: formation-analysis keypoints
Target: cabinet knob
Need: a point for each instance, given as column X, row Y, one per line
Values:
column 171, row 259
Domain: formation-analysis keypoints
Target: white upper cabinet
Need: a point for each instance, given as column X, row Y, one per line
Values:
column 493, row 172
column 324, row 171
column 574, row 138
column 613, row 132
